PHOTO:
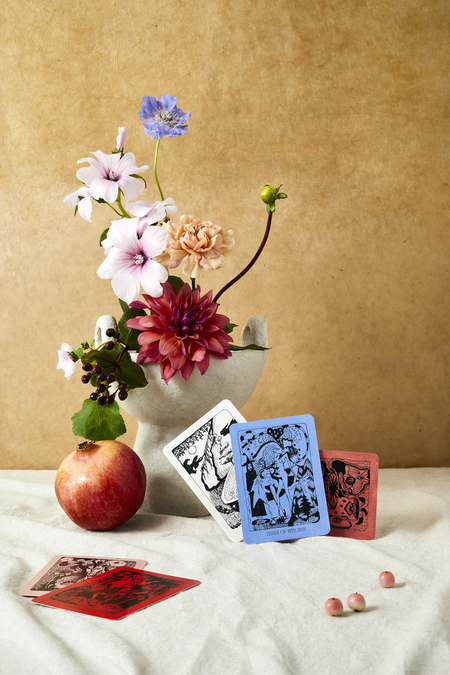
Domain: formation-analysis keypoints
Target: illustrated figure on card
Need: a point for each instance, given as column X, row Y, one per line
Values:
column 351, row 481
column 207, row 457
column 279, row 476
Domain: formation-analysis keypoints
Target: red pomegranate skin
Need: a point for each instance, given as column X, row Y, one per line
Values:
column 102, row 485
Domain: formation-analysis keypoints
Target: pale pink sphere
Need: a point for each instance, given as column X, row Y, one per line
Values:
column 333, row 606
column 386, row 579
column 356, row 602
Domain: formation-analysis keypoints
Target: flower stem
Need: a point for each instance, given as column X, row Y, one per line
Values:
column 193, row 283
column 251, row 263
column 119, row 204
column 154, row 170
column 119, row 214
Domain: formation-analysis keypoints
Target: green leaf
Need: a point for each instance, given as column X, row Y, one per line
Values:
column 230, row 327
column 79, row 352
column 105, row 358
column 131, row 373
column 129, row 336
column 103, row 235
column 124, row 306
column 176, row 283
column 239, row 348
column 282, row 195
column 98, row 423
column 85, row 345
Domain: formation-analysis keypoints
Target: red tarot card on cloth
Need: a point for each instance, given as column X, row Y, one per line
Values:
column 351, row 486
column 116, row 593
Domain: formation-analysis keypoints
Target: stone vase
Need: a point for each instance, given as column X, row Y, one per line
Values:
column 164, row 411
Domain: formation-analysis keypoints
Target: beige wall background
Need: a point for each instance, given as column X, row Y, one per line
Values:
column 345, row 103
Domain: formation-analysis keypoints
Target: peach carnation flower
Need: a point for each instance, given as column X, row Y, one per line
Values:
column 196, row 245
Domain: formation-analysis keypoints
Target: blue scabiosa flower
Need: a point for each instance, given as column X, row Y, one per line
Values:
column 161, row 117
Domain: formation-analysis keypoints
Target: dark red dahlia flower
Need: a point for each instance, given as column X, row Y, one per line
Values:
column 183, row 330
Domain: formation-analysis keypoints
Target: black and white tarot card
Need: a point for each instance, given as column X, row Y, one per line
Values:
column 202, row 455
column 279, row 479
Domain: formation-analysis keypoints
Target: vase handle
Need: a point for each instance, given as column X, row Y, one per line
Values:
column 103, row 323
column 255, row 331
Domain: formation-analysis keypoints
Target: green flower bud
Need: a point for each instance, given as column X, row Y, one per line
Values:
column 268, row 194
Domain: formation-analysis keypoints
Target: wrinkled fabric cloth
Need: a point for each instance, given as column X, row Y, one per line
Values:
column 259, row 608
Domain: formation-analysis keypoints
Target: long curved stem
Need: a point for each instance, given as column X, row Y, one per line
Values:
column 251, row 263
column 154, row 170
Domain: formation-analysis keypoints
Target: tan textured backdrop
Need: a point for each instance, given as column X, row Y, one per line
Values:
column 346, row 103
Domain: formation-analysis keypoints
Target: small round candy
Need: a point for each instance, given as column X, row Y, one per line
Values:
column 333, row 606
column 356, row 602
column 386, row 579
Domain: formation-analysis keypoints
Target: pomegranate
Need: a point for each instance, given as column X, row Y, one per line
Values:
column 101, row 485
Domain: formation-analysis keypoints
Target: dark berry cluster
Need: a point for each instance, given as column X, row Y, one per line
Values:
column 103, row 381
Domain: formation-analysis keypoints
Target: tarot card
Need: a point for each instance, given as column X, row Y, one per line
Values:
column 116, row 593
column 279, row 479
column 351, row 484
column 202, row 455
column 63, row 570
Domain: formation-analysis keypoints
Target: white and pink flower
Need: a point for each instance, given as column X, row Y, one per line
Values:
column 129, row 259
column 65, row 361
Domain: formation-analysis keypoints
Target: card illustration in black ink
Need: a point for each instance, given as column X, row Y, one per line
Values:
column 202, row 455
column 351, row 484
column 63, row 570
column 279, row 479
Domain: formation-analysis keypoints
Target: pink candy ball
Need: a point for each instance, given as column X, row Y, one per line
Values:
column 356, row 602
column 333, row 606
column 386, row 579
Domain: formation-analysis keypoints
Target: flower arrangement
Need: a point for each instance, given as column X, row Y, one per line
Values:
column 175, row 326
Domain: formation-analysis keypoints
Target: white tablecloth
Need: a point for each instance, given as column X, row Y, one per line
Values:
column 259, row 608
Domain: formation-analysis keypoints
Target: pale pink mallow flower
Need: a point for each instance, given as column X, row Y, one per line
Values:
column 108, row 173
column 129, row 261
column 65, row 361
column 122, row 138
column 196, row 245
column 82, row 199
column 152, row 213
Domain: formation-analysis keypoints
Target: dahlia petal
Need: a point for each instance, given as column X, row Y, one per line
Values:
column 177, row 360
column 167, row 372
column 169, row 344
column 203, row 365
column 198, row 352
column 186, row 370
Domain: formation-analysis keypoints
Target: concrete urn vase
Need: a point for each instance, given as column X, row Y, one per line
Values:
column 164, row 411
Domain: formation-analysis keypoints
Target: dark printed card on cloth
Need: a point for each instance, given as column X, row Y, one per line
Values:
column 117, row 593
column 351, row 485
column 279, row 479
column 63, row 570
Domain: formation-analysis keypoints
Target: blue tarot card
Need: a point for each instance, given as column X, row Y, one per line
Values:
column 279, row 479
